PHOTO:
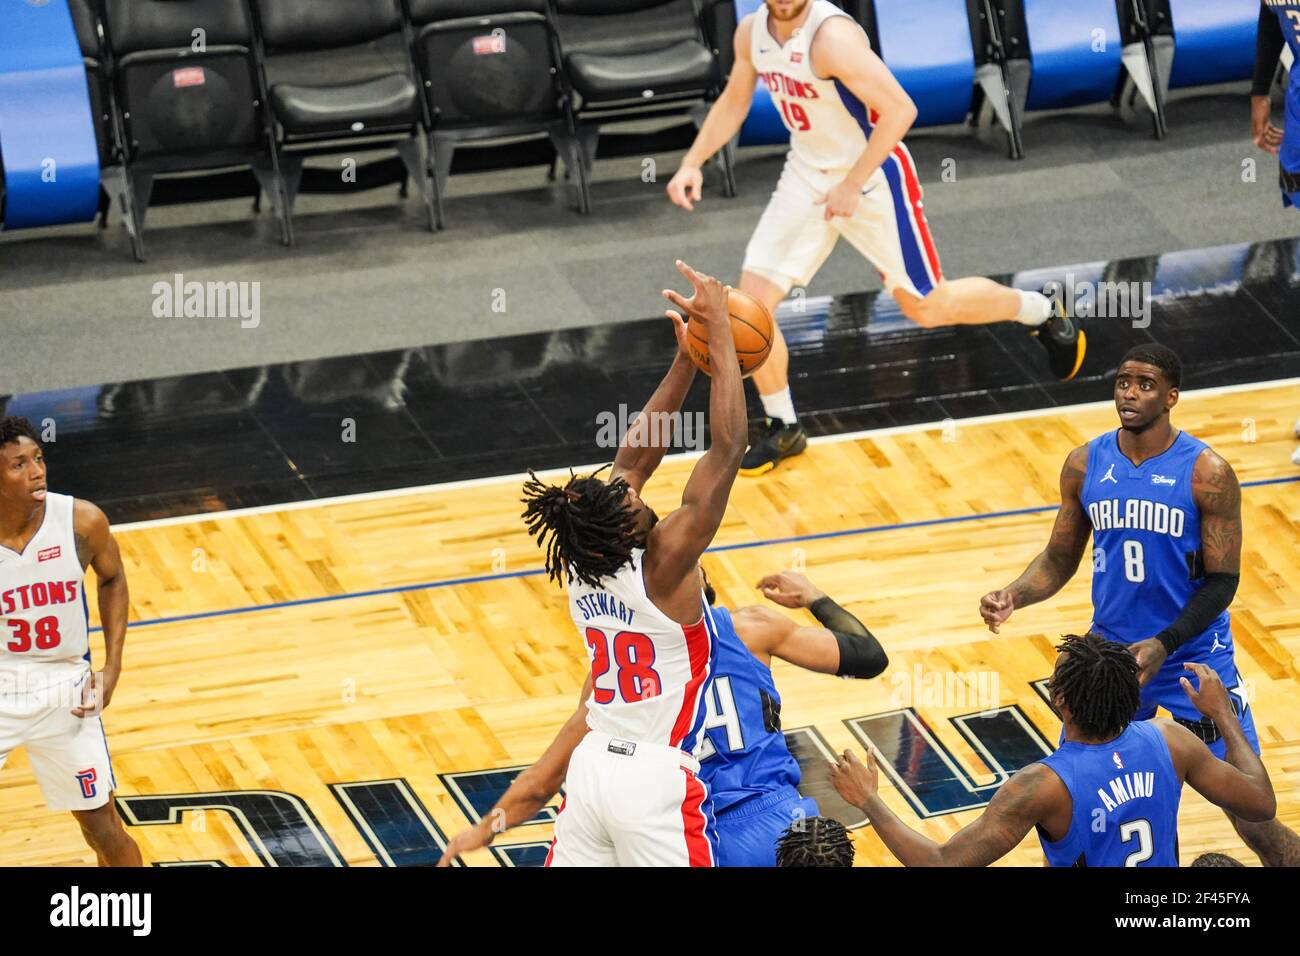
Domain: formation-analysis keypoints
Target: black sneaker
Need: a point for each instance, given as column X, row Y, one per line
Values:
column 1065, row 343
column 780, row 441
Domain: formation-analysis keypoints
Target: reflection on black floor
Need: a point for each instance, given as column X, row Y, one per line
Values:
column 363, row 423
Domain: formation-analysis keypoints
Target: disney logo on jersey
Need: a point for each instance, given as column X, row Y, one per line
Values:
column 1162, row 480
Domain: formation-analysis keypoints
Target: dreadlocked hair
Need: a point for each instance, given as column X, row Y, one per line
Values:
column 1097, row 680
column 13, row 428
column 586, row 527
column 815, row 841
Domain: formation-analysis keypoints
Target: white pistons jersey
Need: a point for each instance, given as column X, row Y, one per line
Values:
column 648, row 673
column 44, row 637
column 828, row 125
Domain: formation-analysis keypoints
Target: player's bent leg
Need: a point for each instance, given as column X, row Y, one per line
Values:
column 104, row 833
column 581, row 837
column 660, row 812
column 783, row 436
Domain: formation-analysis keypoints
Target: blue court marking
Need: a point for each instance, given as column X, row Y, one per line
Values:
column 534, row 572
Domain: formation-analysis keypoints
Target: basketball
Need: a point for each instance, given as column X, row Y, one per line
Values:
column 751, row 329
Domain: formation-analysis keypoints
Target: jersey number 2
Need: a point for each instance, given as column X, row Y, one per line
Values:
column 46, row 633
column 1145, row 848
column 634, row 654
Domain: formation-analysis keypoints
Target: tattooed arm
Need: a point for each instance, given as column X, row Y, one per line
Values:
column 1218, row 498
column 97, row 548
column 1033, row 796
column 1050, row 571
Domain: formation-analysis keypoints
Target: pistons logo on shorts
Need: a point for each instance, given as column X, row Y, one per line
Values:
column 87, row 780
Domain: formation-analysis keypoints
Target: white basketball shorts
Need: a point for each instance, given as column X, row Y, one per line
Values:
column 633, row 804
column 69, row 755
column 794, row 238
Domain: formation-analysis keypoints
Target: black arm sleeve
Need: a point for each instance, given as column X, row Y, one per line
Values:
column 1268, row 49
column 1206, row 604
column 860, row 653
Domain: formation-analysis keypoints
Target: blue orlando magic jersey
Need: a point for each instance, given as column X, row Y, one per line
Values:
column 743, row 752
column 1146, row 539
column 1288, row 13
column 1125, row 794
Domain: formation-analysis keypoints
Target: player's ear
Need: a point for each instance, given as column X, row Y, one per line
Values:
column 1171, row 399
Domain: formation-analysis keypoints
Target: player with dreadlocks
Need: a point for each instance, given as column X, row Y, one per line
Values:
column 633, row 794
column 1109, row 795
column 817, row 841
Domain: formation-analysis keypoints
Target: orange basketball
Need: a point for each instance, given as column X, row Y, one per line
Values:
column 752, row 330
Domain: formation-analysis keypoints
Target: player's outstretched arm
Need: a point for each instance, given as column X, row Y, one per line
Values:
column 1268, row 50
column 97, row 548
column 1238, row 784
column 842, row 645
column 725, row 118
column 530, row 791
column 676, row 543
column 1019, row 804
column 1056, row 564
column 1217, row 495
column 647, row 438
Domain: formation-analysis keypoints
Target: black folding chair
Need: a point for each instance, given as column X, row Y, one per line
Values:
column 632, row 59
column 190, row 98
column 492, row 68
column 340, row 77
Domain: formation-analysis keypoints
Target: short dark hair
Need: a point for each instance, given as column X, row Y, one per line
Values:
column 815, row 841
column 586, row 526
column 1162, row 357
column 1216, row 859
column 1097, row 680
column 13, row 428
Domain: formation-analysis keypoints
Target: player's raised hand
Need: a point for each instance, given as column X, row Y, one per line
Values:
column 686, row 188
column 679, row 329
column 853, row 781
column 996, row 607
column 1212, row 697
column 789, row 589
column 1150, row 656
column 709, row 302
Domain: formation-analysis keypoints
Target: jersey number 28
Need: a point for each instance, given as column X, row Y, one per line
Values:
column 634, row 654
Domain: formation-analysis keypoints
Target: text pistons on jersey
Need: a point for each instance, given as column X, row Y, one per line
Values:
column 780, row 83
column 601, row 604
column 1137, row 514
column 40, row 594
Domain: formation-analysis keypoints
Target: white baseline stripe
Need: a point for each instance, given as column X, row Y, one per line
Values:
column 685, row 456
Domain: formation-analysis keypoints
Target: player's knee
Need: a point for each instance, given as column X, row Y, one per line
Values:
column 927, row 313
column 100, row 825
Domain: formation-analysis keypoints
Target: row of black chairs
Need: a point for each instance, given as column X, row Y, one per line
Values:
column 179, row 86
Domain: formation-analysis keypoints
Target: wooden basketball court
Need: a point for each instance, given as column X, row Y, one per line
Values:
column 403, row 639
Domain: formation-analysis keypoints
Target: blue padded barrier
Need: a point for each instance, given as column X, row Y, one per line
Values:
column 928, row 48
column 1214, row 41
column 1076, row 49
column 763, row 126
column 47, row 133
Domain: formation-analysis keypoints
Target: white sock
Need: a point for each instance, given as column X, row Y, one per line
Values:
column 1295, row 456
column 1035, row 308
column 780, row 405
